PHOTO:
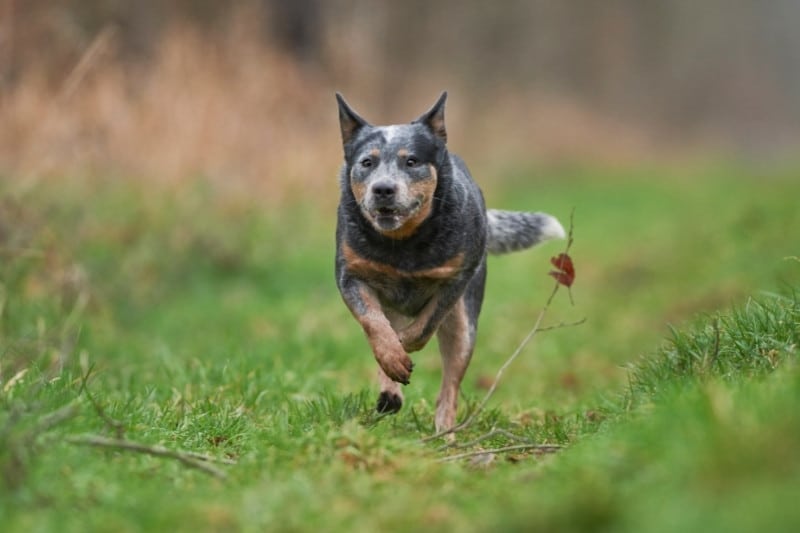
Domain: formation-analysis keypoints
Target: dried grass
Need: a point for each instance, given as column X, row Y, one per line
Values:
column 234, row 112
column 242, row 115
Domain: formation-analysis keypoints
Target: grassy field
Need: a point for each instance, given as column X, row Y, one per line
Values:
column 206, row 322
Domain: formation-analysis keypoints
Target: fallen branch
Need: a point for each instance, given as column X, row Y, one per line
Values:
column 493, row 433
column 546, row 448
column 51, row 420
column 190, row 459
column 20, row 445
column 115, row 425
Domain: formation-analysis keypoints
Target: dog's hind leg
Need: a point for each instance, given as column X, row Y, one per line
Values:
column 456, row 342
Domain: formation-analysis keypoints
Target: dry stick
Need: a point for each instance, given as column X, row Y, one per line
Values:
column 514, row 447
column 510, row 360
column 494, row 432
column 115, row 425
column 191, row 459
column 715, row 353
column 562, row 325
column 52, row 419
column 500, row 372
column 192, row 455
column 516, row 353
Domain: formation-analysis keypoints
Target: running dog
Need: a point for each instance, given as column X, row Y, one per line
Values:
column 411, row 242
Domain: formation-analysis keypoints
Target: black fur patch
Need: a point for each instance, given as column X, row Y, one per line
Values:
column 388, row 403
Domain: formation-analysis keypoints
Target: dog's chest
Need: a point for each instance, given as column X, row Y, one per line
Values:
column 406, row 291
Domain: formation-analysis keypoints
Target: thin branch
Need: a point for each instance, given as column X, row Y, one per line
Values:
column 190, row 459
column 53, row 419
column 715, row 353
column 115, row 425
column 490, row 392
column 536, row 328
column 493, row 433
column 513, row 357
column 570, row 240
column 546, row 448
column 562, row 325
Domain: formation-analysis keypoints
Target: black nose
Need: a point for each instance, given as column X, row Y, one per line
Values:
column 384, row 190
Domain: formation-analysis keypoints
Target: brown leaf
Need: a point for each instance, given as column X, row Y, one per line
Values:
column 565, row 274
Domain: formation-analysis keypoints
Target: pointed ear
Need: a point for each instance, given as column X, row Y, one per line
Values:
column 349, row 121
column 434, row 118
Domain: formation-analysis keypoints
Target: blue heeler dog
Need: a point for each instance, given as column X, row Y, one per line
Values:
column 411, row 243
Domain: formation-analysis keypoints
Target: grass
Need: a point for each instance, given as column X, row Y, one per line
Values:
column 208, row 323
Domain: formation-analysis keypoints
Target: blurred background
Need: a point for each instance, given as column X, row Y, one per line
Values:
column 241, row 93
column 168, row 186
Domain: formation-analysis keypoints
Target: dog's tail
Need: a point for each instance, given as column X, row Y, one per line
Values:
column 510, row 231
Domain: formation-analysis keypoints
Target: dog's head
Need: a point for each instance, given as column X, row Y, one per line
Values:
column 393, row 171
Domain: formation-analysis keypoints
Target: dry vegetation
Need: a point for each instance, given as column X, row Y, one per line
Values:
column 244, row 115
column 230, row 111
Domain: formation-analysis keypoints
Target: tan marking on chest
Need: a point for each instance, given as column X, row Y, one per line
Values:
column 368, row 268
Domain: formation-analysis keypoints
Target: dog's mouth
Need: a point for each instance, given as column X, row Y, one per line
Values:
column 390, row 218
column 386, row 212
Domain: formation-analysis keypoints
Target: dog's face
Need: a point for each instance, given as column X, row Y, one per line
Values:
column 392, row 170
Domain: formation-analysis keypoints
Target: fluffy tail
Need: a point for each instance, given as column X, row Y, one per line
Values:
column 510, row 231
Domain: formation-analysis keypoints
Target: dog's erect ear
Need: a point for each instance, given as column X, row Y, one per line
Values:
column 349, row 121
column 434, row 118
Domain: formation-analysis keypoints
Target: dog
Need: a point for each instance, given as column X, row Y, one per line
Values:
column 412, row 238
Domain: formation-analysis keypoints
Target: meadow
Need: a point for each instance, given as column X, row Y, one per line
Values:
column 201, row 319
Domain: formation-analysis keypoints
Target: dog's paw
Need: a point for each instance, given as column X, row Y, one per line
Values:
column 398, row 366
column 389, row 402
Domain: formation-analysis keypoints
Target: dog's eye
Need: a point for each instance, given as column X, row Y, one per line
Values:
column 366, row 163
column 411, row 162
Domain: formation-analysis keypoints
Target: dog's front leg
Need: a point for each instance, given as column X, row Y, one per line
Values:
column 386, row 346
column 390, row 399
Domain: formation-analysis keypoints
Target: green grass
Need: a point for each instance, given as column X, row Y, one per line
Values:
column 208, row 323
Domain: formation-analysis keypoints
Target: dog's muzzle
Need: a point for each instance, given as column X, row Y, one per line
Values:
column 389, row 217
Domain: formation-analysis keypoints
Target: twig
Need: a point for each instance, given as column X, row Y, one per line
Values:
column 53, row 419
column 536, row 328
column 493, row 433
column 715, row 353
column 547, row 448
column 499, row 374
column 190, row 459
column 561, row 325
column 570, row 239
column 21, row 446
column 115, row 425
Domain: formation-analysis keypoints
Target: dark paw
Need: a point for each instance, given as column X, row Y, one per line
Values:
column 389, row 402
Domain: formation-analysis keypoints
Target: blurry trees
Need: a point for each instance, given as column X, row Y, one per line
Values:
column 731, row 65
